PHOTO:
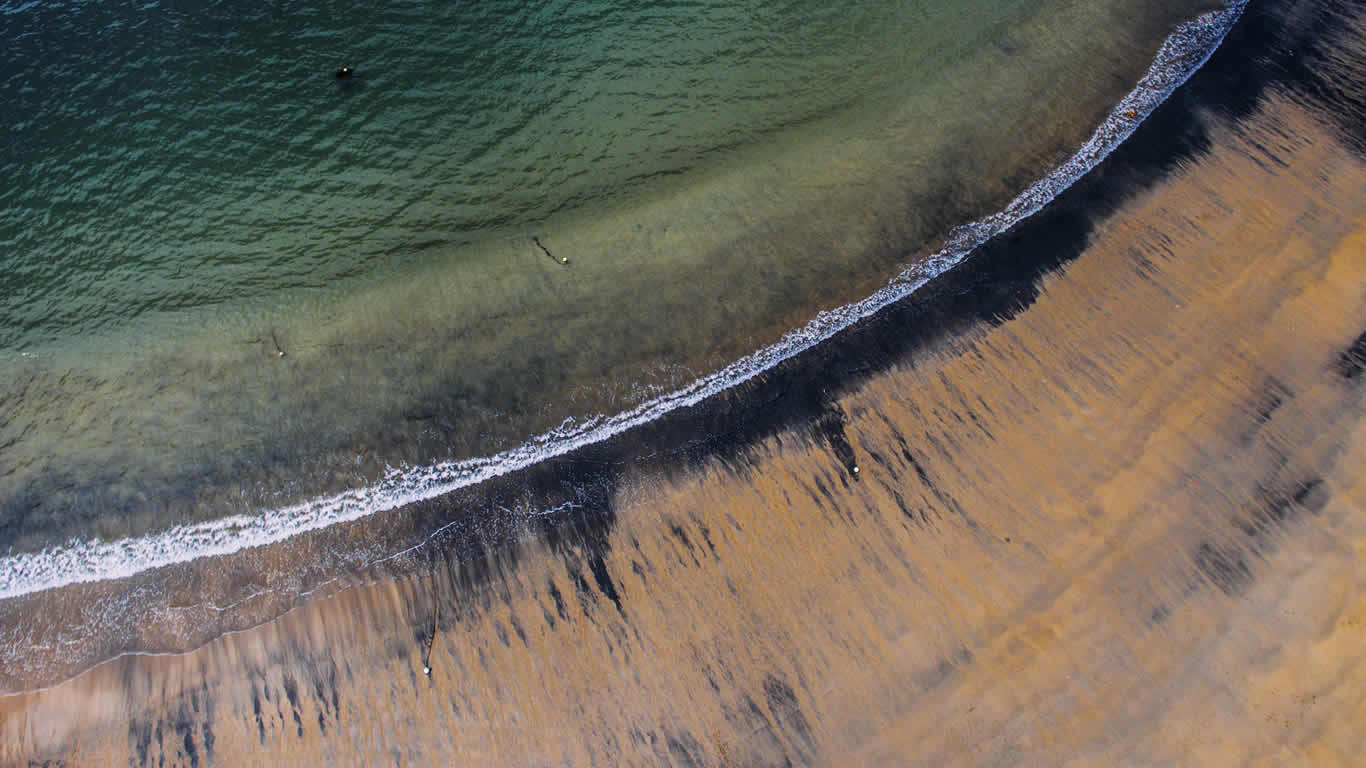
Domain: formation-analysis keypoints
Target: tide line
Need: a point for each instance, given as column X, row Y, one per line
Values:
column 1181, row 55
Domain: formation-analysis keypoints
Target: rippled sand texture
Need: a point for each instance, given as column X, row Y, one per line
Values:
column 1124, row 526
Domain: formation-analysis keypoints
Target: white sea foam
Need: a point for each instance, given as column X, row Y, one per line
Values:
column 86, row 561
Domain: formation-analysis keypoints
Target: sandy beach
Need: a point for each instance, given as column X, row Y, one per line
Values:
column 1092, row 498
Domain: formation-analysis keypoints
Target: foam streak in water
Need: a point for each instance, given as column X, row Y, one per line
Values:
column 87, row 561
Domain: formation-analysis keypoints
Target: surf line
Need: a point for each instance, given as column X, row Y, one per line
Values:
column 1183, row 53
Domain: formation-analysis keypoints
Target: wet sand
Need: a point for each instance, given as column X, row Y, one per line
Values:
column 1093, row 499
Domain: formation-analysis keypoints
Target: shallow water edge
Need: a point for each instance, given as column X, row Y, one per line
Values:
column 166, row 608
column 481, row 349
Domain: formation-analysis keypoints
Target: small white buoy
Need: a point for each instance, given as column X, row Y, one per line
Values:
column 427, row 671
column 856, row 470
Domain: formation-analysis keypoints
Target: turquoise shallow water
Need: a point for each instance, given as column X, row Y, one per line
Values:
column 169, row 156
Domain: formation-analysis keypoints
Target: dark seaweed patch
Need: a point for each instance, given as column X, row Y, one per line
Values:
column 782, row 702
column 682, row 536
column 1274, row 508
column 582, row 590
column 186, row 731
column 1271, row 400
column 1160, row 614
column 604, row 581
column 684, row 750
column 517, row 629
column 1224, row 567
column 256, row 711
column 560, row 609
column 292, row 693
column 1352, row 362
column 832, row 427
column 206, row 736
column 141, row 736
column 706, row 537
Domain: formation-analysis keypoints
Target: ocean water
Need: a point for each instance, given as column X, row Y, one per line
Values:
column 171, row 157
column 241, row 302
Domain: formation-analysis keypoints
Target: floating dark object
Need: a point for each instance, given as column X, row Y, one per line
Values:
column 345, row 77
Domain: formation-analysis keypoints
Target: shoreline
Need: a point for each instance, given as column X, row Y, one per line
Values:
column 1106, row 513
column 504, row 503
column 965, row 238
column 237, row 569
column 525, row 492
column 1106, row 466
column 451, row 364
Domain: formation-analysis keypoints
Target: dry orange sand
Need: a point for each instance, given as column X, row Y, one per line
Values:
column 1125, row 527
